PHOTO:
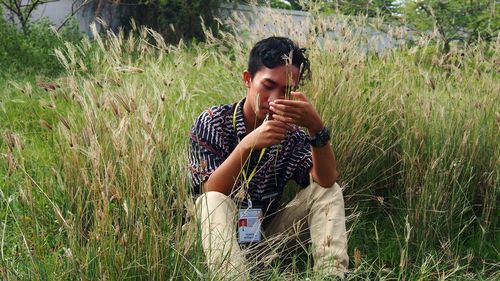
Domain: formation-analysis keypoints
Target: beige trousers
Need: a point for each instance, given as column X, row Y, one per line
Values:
column 316, row 214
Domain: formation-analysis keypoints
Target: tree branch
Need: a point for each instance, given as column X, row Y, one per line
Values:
column 435, row 19
column 23, row 12
column 73, row 12
column 15, row 12
column 41, row 2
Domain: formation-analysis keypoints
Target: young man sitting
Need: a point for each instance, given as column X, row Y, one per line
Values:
column 242, row 155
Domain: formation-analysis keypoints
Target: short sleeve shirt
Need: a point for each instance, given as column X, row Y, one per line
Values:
column 213, row 137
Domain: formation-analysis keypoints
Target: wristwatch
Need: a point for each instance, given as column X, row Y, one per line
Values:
column 321, row 138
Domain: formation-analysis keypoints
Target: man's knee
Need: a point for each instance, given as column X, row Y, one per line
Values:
column 333, row 192
column 335, row 185
column 214, row 202
column 213, row 198
column 329, row 202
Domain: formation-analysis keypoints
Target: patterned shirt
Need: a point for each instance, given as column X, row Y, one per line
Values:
column 213, row 138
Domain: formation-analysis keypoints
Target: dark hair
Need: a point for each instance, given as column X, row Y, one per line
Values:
column 273, row 51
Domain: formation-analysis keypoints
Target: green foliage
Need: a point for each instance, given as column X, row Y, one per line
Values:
column 22, row 10
column 32, row 52
column 281, row 4
column 458, row 20
column 186, row 17
column 278, row 4
column 370, row 8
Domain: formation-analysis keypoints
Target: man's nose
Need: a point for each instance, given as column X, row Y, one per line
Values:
column 275, row 95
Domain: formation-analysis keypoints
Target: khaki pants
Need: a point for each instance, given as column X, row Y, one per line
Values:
column 316, row 213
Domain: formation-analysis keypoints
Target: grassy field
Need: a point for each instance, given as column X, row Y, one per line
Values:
column 94, row 179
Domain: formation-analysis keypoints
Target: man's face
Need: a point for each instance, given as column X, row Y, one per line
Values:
column 267, row 85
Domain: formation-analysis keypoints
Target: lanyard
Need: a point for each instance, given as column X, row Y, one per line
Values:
column 252, row 174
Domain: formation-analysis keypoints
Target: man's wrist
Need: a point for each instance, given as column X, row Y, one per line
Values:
column 321, row 138
column 317, row 127
column 244, row 146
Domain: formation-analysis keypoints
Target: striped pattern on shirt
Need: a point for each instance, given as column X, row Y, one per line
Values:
column 213, row 138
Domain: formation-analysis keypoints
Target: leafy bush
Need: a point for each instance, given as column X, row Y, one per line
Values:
column 186, row 17
column 32, row 53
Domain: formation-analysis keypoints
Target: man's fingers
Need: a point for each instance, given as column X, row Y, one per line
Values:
column 299, row 96
column 280, row 123
column 287, row 110
column 287, row 117
column 279, row 131
column 273, row 138
column 285, row 120
column 286, row 125
column 291, row 103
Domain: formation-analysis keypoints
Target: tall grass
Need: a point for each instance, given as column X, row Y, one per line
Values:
column 415, row 133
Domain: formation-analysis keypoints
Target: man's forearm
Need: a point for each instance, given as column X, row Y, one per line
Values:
column 324, row 169
column 224, row 177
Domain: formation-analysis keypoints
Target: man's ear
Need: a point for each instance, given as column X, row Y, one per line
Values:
column 247, row 78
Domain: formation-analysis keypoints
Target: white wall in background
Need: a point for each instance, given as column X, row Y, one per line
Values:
column 263, row 22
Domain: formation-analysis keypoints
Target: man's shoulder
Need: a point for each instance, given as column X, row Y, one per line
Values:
column 214, row 116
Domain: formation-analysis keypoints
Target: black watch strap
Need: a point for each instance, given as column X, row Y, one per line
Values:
column 321, row 138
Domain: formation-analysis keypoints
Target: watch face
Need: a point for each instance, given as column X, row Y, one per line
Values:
column 319, row 143
column 322, row 142
column 321, row 138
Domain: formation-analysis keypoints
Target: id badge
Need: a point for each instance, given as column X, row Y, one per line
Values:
column 249, row 225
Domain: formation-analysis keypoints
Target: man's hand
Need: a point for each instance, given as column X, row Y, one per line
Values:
column 269, row 133
column 298, row 111
column 302, row 113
